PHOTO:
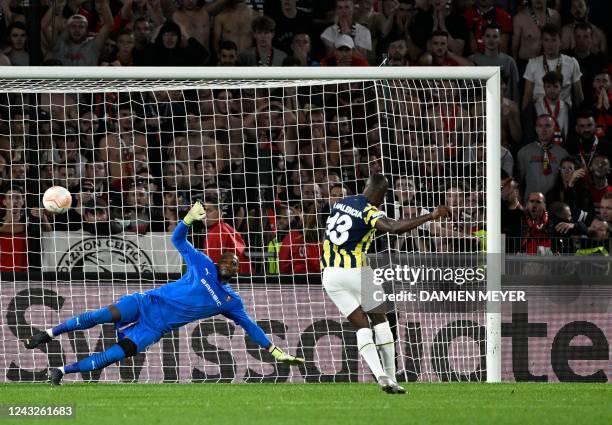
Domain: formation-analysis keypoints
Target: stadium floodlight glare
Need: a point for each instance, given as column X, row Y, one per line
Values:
column 416, row 122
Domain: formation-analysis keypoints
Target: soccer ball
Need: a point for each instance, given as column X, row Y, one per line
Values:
column 57, row 200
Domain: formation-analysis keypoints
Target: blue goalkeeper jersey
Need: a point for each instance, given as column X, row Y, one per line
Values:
column 198, row 294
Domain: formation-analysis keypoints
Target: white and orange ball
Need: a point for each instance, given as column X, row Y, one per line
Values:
column 57, row 200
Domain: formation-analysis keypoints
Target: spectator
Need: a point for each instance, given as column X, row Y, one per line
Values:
column 12, row 145
column 76, row 49
column 298, row 254
column 399, row 18
column 168, row 50
column 66, row 151
column 539, row 162
column 551, row 104
column 140, row 209
column 337, row 192
column 490, row 55
column 174, row 203
column 96, row 218
column 527, row 31
column 221, row 237
column 511, row 127
column 344, row 54
column 142, row 33
column 439, row 53
column 397, row 52
column 589, row 61
column 66, row 175
column 579, row 11
column 123, row 56
column 605, row 208
column 89, row 130
column 379, row 27
column 596, row 186
column 599, row 230
column 120, row 146
column 194, row 19
column 437, row 19
column 18, row 42
column 135, row 10
column 301, row 49
column 565, row 188
column 13, row 242
column 562, row 228
column 345, row 25
column 602, row 98
column 228, row 53
column 485, row 14
column 263, row 53
column 289, row 21
column 14, row 213
column 233, row 23
column 587, row 144
column 535, row 238
column 552, row 60
column 284, row 220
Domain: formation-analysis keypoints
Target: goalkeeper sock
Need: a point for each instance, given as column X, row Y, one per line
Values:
column 96, row 360
column 367, row 349
column 386, row 348
column 83, row 321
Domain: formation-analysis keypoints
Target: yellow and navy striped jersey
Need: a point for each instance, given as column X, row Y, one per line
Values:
column 349, row 232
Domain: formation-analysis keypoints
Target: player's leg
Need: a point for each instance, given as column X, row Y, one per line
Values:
column 385, row 344
column 121, row 350
column 376, row 309
column 137, row 339
column 343, row 287
column 125, row 308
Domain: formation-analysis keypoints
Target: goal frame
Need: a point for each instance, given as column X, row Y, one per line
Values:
column 492, row 75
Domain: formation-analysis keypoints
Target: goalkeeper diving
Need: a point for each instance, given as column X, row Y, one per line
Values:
column 142, row 318
column 349, row 232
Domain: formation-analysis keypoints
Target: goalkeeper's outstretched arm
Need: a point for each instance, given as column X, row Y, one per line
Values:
column 397, row 227
column 179, row 236
column 241, row 318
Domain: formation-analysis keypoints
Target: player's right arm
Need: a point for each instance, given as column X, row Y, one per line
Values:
column 398, row 227
column 179, row 236
column 252, row 329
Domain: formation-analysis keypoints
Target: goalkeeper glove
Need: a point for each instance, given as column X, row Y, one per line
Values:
column 283, row 357
column 195, row 213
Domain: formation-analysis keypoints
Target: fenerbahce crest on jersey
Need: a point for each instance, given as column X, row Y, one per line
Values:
column 349, row 232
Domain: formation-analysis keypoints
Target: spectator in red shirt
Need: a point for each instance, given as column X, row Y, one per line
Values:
column 439, row 55
column 486, row 13
column 221, row 237
column 535, row 235
column 344, row 54
column 300, row 250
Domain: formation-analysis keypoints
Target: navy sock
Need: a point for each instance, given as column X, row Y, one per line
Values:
column 84, row 321
column 97, row 360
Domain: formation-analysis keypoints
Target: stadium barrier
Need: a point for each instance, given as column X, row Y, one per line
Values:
column 562, row 333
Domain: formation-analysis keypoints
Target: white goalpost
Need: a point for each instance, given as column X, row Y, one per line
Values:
column 266, row 148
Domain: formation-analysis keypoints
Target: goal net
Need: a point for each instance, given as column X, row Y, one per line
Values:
column 267, row 155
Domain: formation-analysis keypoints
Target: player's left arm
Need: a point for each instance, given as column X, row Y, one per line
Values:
column 398, row 227
column 179, row 236
column 252, row 329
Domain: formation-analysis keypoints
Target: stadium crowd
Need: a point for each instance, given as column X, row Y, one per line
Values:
column 268, row 163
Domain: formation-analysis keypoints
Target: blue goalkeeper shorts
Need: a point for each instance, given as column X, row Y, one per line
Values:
column 135, row 310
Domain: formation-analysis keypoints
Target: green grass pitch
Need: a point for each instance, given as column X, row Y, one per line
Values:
column 364, row 404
